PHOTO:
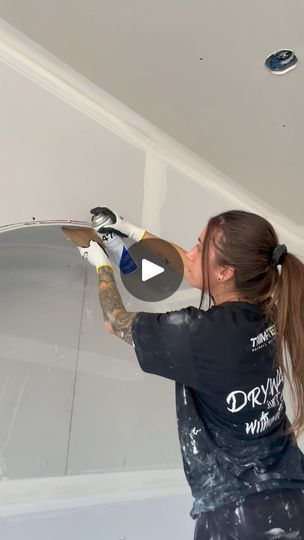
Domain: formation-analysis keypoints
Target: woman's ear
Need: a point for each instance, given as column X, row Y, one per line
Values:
column 225, row 273
column 230, row 272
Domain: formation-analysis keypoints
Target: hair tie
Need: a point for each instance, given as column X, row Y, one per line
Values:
column 278, row 254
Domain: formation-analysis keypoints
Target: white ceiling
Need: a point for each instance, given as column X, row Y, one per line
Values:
column 227, row 107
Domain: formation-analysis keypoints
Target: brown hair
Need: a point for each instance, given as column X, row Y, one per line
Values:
column 246, row 242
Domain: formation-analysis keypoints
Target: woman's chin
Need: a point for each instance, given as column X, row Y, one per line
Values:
column 196, row 284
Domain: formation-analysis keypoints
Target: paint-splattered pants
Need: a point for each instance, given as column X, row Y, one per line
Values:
column 264, row 515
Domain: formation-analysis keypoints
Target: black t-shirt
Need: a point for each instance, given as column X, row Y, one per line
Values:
column 229, row 401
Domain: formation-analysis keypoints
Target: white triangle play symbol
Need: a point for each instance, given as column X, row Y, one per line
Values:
column 150, row 270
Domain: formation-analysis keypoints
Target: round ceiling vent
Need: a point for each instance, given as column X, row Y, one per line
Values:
column 281, row 61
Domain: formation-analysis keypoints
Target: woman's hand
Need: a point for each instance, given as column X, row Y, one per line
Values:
column 120, row 226
column 96, row 255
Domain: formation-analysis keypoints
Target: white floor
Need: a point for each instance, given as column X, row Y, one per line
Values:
column 153, row 519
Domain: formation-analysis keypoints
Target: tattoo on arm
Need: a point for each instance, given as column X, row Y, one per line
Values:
column 119, row 321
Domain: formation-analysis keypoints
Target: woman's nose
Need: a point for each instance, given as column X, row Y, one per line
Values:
column 190, row 254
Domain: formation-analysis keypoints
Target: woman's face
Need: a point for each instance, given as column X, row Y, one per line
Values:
column 194, row 257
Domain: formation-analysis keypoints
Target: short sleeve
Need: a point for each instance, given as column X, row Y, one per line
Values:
column 162, row 343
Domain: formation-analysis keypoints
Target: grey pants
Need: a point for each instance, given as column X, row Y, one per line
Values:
column 264, row 515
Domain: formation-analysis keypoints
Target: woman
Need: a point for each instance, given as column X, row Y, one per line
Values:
column 240, row 456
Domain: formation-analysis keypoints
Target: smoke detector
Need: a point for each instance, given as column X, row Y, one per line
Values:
column 281, row 61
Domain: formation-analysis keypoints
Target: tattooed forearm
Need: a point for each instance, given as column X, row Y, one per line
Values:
column 122, row 326
column 118, row 320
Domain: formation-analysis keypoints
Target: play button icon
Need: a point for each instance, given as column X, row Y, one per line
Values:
column 159, row 273
column 149, row 270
